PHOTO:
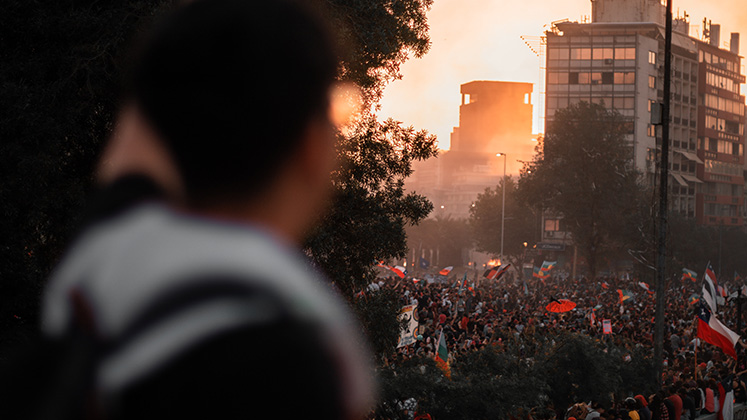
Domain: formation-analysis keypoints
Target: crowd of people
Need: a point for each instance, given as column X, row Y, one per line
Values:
column 474, row 312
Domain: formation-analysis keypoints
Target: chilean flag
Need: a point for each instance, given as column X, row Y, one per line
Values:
column 711, row 330
column 646, row 287
column 709, row 273
column 400, row 271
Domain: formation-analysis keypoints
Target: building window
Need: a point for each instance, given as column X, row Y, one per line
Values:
column 725, row 168
column 552, row 225
column 652, row 82
column 624, row 78
column 555, row 78
column 624, row 103
column 558, row 53
column 602, row 53
column 624, row 53
column 580, row 53
column 652, row 57
column 722, row 82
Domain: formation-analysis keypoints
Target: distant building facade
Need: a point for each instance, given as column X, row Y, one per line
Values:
column 618, row 60
column 494, row 117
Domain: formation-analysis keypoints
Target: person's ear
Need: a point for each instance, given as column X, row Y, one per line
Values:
column 135, row 149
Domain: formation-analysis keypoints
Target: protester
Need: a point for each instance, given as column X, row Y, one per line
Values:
column 504, row 310
column 677, row 404
column 196, row 302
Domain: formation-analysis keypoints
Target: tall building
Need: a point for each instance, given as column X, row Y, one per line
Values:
column 618, row 60
column 494, row 117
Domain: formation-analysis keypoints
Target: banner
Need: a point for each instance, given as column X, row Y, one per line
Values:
column 607, row 326
column 409, row 314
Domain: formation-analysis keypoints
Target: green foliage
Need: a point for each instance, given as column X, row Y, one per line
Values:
column 417, row 378
column 496, row 382
column 693, row 246
column 374, row 312
column 521, row 222
column 380, row 35
column 577, row 369
column 537, row 372
column 371, row 208
column 488, row 383
column 59, row 84
column 637, row 375
column 584, row 171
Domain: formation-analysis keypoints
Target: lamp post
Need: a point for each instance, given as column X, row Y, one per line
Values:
column 503, row 206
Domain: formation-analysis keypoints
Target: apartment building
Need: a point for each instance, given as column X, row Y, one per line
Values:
column 617, row 60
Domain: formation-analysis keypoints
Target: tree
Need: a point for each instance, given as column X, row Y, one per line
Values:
column 380, row 35
column 689, row 245
column 59, row 79
column 521, row 222
column 371, row 209
column 59, row 84
column 485, row 384
column 583, row 170
column 578, row 369
column 534, row 371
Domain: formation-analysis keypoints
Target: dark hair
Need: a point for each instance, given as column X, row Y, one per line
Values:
column 230, row 85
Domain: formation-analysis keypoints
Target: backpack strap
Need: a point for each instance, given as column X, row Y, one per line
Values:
column 70, row 393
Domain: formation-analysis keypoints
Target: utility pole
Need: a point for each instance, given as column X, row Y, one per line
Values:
column 661, row 276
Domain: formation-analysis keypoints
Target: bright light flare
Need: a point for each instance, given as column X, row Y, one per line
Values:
column 346, row 102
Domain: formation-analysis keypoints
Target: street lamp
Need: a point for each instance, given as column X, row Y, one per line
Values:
column 503, row 206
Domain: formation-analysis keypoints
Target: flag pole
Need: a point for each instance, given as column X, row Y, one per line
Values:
column 696, row 363
column 697, row 341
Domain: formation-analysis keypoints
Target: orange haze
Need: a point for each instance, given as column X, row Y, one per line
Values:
column 480, row 40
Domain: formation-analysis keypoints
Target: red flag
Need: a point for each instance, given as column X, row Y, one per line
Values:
column 495, row 273
column 711, row 330
column 399, row 271
column 709, row 273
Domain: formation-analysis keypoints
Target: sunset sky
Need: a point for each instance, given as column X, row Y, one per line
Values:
column 481, row 40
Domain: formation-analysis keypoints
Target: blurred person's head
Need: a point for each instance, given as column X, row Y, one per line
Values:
column 238, row 92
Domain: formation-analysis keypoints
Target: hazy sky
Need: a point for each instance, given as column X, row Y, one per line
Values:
column 481, row 40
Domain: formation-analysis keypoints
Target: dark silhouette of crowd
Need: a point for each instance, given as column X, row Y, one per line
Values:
column 474, row 312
